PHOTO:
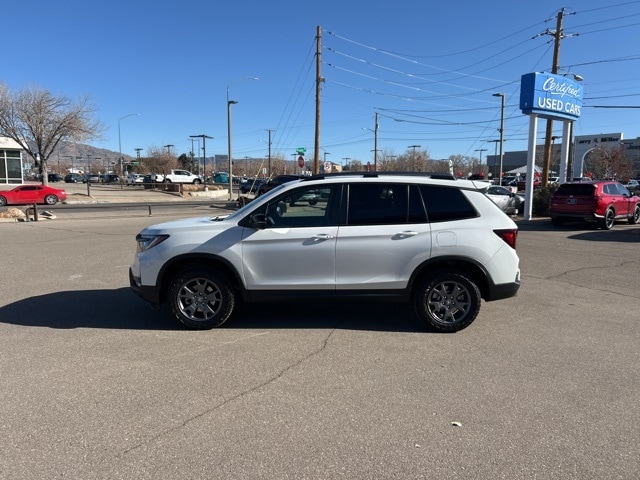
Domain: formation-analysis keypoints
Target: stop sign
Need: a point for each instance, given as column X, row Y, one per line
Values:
column 301, row 161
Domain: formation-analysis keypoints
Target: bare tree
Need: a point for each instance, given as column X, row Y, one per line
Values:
column 38, row 121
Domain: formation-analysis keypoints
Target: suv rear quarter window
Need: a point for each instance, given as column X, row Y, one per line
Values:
column 446, row 204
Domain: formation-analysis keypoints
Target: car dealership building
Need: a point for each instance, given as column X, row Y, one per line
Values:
column 10, row 161
column 583, row 145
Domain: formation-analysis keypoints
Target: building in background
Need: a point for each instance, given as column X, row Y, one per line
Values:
column 10, row 161
column 578, row 157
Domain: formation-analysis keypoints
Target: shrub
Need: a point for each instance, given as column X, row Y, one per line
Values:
column 541, row 199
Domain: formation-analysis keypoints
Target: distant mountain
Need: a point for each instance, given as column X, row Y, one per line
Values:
column 80, row 154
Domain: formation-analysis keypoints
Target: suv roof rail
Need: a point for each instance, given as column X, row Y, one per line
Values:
column 434, row 175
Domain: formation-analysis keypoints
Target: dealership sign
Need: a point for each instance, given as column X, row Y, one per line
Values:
column 550, row 96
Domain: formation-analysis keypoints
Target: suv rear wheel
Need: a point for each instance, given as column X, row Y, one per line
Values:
column 201, row 298
column 447, row 301
column 609, row 219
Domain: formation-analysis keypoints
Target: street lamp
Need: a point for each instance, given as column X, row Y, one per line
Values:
column 229, row 103
column 480, row 150
column 413, row 156
column 120, row 142
column 204, row 153
column 168, row 147
column 502, row 97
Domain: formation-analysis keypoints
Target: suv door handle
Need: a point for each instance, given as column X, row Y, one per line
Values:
column 323, row 236
column 408, row 233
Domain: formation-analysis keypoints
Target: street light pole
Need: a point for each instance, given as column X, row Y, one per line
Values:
column 480, row 150
column 120, row 141
column 413, row 156
column 204, row 152
column 502, row 98
column 229, row 103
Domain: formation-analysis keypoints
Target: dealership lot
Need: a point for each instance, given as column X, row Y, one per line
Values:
column 96, row 384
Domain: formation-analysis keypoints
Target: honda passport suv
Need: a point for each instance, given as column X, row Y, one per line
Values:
column 431, row 240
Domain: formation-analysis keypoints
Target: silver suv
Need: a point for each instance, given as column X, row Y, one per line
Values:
column 431, row 240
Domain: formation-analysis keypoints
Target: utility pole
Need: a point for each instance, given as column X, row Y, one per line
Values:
column 319, row 80
column 269, row 162
column 558, row 35
column 375, row 144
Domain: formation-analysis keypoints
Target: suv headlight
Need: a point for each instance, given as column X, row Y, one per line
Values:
column 146, row 241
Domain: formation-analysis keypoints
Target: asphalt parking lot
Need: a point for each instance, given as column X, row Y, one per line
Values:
column 97, row 385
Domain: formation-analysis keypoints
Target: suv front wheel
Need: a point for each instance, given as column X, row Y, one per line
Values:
column 447, row 301
column 201, row 298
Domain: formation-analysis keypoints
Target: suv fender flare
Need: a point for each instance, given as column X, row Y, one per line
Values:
column 179, row 262
column 455, row 263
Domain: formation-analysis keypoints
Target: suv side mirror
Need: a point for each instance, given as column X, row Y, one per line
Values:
column 259, row 221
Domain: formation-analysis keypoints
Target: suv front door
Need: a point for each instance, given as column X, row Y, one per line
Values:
column 296, row 250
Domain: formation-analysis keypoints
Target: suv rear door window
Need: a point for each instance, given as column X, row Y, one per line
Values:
column 377, row 204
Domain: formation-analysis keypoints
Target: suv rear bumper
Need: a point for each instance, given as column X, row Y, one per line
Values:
column 586, row 216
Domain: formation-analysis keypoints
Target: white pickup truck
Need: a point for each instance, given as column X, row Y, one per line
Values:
column 178, row 176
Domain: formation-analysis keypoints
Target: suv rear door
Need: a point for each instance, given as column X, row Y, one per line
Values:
column 386, row 218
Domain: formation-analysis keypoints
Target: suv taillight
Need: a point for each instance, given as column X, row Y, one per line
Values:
column 508, row 235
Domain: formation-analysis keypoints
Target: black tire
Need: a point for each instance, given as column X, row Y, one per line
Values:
column 634, row 219
column 196, row 182
column 50, row 199
column 609, row 219
column 447, row 301
column 3, row 201
column 167, row 180
column 557, row 222
column 201, row 298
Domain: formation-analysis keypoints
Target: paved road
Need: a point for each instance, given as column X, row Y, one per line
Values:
column 97, row 385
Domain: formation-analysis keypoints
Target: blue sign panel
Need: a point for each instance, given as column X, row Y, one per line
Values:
column 550, row 96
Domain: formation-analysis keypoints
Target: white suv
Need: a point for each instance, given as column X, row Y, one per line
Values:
column 431, row 240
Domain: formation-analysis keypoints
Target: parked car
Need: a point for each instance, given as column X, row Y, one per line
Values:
column 510, row 202
column 109, row 178
column 27, row 194
column 633, row 186
column 251, row 185
column 438, row 244
column 599, row 202
column 522, row 183
column 91, row 178
column 54, row 177
column 135, row 178
column 74, row 178
column 274, row 182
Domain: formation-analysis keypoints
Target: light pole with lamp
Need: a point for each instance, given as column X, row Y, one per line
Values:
column 204, row 152
column 120, row 142
column 480, row 150
column 413, row 155
column 502, row 98
column 229, row 103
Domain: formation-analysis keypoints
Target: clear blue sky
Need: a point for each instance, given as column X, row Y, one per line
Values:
column 428, row 68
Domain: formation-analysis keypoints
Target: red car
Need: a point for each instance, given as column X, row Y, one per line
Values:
column 27, row 194
column 523, row 183
column 600, row 202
